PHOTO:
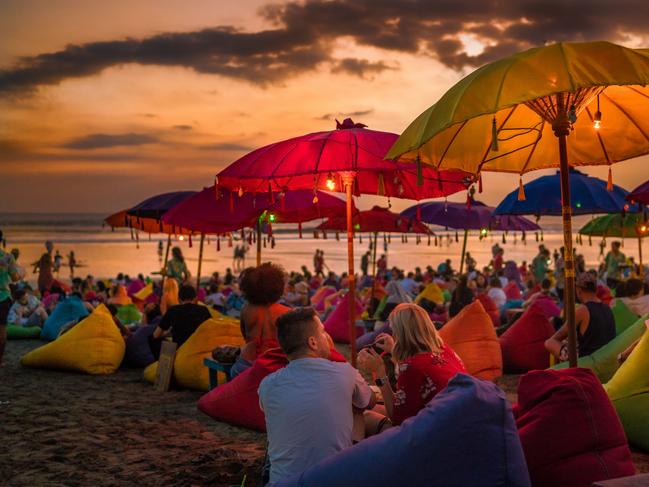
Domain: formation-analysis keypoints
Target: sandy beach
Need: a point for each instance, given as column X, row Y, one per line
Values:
column 62, row 428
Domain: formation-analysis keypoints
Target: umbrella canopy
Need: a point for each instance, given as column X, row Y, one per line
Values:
column 640, row 194
column 319, row 160
column 588, row 195
column 122, row 219
column 298, row 206
column 156, row 206
column 460, row 216
column 377, row 220
column 616, row 225
column 503, row 116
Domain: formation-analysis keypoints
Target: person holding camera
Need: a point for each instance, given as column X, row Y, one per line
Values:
column 423, row 362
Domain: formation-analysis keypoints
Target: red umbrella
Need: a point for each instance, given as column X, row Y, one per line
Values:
column 349, row 158
column 640, row 194
column 377, row 220
column 148, row 225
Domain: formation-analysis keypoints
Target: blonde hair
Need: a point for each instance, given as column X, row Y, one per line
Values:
column 413, row 332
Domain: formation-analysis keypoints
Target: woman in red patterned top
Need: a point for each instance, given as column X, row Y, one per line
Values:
column 424, row 364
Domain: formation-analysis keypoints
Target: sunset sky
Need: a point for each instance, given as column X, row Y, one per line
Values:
column 103, row 103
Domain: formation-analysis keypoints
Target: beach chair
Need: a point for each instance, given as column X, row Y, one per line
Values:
column 213, row 367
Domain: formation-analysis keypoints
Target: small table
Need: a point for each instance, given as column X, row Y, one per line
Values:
column 213, row 367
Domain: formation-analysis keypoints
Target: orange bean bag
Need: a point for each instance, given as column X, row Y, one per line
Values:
column 472, row 335
column 490, row 307
column 523, row 343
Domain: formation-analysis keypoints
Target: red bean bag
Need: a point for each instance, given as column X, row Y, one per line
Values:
column 337, row 324
column 523, row 343
column 512, row 291
column 490, row 307
column 472, row 335
column 570, row 432
column 237, row 402
column 604, row 294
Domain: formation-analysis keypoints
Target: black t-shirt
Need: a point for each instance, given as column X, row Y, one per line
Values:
column 184, row 319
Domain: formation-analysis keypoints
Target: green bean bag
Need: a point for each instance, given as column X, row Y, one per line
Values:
column 624, row 317
column 16, row 332
column 128, row 314
column 629, row 393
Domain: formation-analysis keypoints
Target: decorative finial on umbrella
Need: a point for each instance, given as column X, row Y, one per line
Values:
column 348, row 123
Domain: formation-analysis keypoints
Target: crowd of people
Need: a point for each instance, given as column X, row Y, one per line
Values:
column 319, row 404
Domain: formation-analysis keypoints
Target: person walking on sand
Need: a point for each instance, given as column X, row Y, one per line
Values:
column 160, row 249
column 176, row 267
column 57, row 262
column 72, row 262
column 44, row 267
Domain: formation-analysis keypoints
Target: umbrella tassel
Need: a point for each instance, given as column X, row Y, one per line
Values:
column 504, row 239
column 609, row 182
column 324, row 235
column 521, row 190
column 429, row 240
column 218, row 243
column 230, row 241
column 420, row 173
column 299, row 229
column 541, row 235
column 480, row 183
column 381, row 185
column 137, row 240
column 494, row 135
column 360, row 238
column 250, row 238
column 590, row 240
column 190, row 241
column 435, row 240
column 457, row 237
column 389, row 238
column 264, row 242
column 536, row 236
column 338, row 236
column 243, row 234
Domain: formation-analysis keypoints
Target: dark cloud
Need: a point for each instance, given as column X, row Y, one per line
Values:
column 304, row 34
column 104, row 141
column 183, row 127
column 226, row 146
column 357, row 113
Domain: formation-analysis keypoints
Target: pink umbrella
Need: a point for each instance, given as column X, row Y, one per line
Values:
column 377, row 220
column 207, row 214
column 349, row 158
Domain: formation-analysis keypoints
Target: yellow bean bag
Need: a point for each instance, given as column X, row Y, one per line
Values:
column 145, row 292
column 94, row 346
column 189, row 370
column 473, row 337
column 629, row 393
column 431, row 292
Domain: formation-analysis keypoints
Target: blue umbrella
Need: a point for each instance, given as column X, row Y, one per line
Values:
column 460, row 216
column 588, row 196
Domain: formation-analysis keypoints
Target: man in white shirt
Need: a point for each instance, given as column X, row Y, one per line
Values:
column 308, row 404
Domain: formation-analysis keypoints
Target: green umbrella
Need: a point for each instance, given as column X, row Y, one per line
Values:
column 616, row 225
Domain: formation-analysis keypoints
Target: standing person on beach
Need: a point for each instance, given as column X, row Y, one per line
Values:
column 308, row 404
column 613, row 260
column 44, row 267
column 160, row 248
column 176, row 267
column 8, row 273
column 72, row 262
column 57, row 262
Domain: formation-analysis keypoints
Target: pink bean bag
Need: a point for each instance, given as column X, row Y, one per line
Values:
column 237, row 402
column 490, row 307
column 317, row 300
column 523, row 343
column 337, row 324
column 512, row 291
column 570, row 432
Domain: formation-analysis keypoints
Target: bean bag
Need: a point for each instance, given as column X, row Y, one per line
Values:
column 548, row 305
column 15, row 332
column 50, row 300
column 317, row 300
column 604, row 294
column 629, row 392
column 472, row 335
column 624, row 317
column 189, row 370
column 569, row 429
column 431, row 292
column 466, row 436
column 121, row 297
column 512, row 291
column 128, row 314
column 337, row 324
column 237, row 402
column 94, row 346
column 138, row 351
column 523, row 343
column 67, row 310
column 603, row 362
column 144, row 293
column 490, row 307
column 134, row 287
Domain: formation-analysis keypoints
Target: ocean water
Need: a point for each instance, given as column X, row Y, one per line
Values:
column 104, row 253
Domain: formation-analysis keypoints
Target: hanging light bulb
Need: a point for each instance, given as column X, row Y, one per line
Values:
column 271, row 217
column 331, row 183
column 597, row 121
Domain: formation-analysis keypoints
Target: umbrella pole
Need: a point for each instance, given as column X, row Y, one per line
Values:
column 164, row 273
column 200, row 262
column 348, row 181
column 640, row 257
column 466, row 234
column 258, row 241
column 561, row 128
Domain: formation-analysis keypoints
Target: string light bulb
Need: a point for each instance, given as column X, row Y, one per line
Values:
column 271, row 217
column 331, row 183
column 597, row 121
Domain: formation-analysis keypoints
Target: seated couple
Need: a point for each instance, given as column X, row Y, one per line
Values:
column 309, row 405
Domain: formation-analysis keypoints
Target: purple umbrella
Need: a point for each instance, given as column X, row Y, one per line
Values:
column 158, row 205
column 461, row 216
column 640, row 194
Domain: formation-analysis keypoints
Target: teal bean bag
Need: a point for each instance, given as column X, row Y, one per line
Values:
column 624, row 317
column 16, row 332
column 604, row 361
column 67, row 310
column 128, row 314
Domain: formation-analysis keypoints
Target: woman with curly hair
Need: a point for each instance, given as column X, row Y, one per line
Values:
column 262, row 287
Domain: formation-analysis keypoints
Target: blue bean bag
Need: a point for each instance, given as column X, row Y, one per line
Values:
column 138, row 351
column 466, row 436
column 369, row 337
column 68, row 309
